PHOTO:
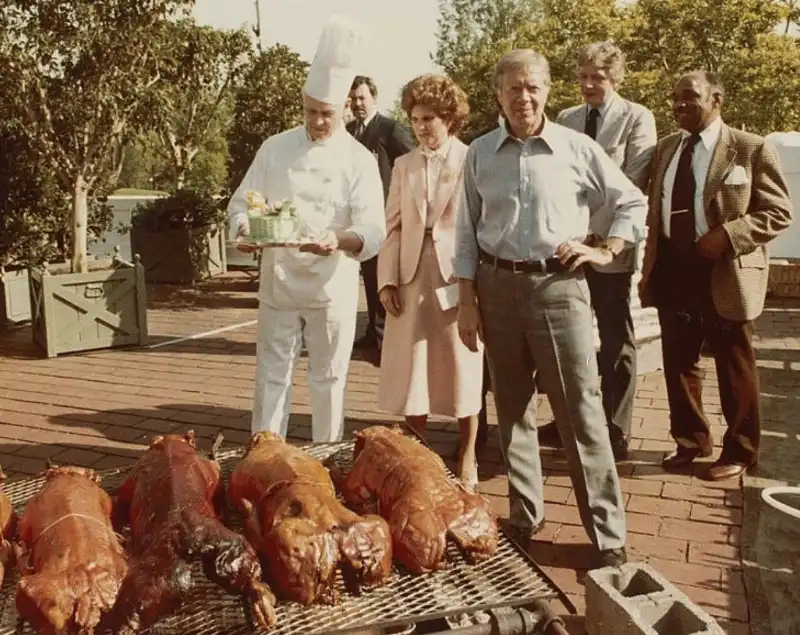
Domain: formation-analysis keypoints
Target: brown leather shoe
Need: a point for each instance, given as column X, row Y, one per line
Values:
column 723, row 470
column 683, row 457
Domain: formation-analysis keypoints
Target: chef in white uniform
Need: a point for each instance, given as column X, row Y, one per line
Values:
column 312, row 293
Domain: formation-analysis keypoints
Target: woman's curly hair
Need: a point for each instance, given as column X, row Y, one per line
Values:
column 442, row 95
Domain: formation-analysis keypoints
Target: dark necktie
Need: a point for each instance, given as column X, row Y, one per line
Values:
column 359, row 132
column 591, row 123
column 681, row 220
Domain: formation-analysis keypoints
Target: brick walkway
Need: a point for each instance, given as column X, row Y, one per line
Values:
column 98, row 409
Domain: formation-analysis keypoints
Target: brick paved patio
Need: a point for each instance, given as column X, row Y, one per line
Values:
column 98, row 409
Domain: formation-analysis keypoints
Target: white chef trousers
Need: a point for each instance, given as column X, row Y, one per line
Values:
column 329, row 334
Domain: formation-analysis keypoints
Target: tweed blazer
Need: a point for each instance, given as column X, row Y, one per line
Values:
column 752, row 213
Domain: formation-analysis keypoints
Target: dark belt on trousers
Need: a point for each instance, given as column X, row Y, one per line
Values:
column 550, row 265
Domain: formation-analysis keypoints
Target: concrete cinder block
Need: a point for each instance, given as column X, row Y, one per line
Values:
column 637, row 600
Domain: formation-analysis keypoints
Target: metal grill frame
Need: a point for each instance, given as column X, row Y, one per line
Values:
column 209, row 610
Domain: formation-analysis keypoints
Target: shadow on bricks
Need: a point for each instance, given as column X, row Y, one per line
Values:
column 104, row 439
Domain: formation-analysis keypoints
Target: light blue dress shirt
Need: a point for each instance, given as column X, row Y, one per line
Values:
column 522, row 199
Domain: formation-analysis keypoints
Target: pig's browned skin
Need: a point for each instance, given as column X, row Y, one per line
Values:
column 70, row 558
column 7, row 526
column 301, row 529
column 422, row 505
column 169, row 502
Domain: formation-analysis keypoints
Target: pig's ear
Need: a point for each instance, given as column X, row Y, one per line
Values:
column 189, row 437
column 156, row 440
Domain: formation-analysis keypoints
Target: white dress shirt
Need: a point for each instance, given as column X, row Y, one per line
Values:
column 701, row 160
column 335, row 185
column 434, row 160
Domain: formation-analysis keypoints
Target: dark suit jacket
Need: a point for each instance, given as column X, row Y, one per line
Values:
column 387, row 139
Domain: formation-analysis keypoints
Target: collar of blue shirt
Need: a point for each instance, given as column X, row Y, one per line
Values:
column 550, row 135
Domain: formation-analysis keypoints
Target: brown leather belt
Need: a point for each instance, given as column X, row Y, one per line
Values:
column 550, row 265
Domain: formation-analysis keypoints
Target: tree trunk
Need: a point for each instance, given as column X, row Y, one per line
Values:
column 257, row 28
column 184, row 156
column 80, row 221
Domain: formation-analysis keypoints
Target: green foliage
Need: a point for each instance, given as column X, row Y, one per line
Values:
column 185, row 208
column 192, row 106
column 735, row 39
column 662, row 39
column 141, row 164
column 398, row 114
column 473, row 35
column 209, row 170
column 76, row 73
column 34, row 210
column 268, row 101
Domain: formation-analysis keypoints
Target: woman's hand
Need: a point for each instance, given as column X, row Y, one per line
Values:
column 470, row 327
column 390, row 299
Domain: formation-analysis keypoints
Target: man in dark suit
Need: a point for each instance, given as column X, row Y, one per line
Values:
column 387, row 139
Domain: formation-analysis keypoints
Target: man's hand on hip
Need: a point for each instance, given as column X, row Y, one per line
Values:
column 574, row 253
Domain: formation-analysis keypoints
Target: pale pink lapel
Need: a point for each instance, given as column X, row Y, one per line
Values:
column 416, row 180
column 449, row 178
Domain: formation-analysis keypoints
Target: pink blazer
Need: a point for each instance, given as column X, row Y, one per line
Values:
column 405, row 216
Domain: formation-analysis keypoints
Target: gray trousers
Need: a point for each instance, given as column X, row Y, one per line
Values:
column 542, row 324
column 611, row 295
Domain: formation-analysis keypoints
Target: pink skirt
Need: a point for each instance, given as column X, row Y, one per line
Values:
column 425, row 368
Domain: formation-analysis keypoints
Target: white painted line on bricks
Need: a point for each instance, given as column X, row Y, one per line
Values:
column 198, row 336
column 768, row 495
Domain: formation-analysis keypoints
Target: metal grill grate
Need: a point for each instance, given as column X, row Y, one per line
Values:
column 510, row 578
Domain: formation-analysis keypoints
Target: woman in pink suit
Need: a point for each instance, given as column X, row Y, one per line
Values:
column 425, row 368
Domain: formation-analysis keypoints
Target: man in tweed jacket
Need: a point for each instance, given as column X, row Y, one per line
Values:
column 717, row 197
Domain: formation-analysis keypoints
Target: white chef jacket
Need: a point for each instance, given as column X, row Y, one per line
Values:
column 335, row 184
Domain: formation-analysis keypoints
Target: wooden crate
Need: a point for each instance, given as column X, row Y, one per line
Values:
column 15, row 304
column 180, row 256
column 104, row 308
column 784, row 279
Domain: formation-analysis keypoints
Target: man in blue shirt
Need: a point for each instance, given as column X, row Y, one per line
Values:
column 530, row 189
